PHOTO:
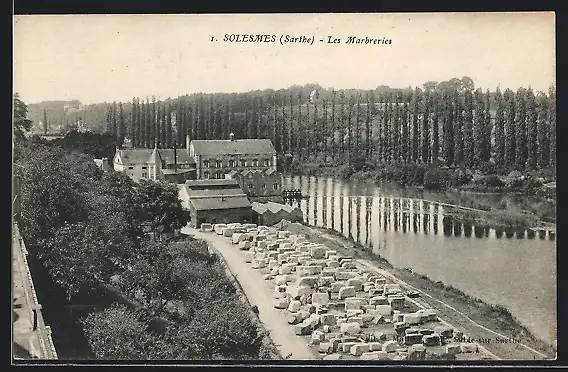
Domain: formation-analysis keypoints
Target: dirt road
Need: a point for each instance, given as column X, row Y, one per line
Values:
column 259, row 294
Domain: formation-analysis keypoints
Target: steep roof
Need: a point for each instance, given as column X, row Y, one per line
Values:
column 219, row 202
column 183, row 157
column 135, row 156
column 233, row 147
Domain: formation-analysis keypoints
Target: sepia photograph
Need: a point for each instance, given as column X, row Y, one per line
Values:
column 323, row 188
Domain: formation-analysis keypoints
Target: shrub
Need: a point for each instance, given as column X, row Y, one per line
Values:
column 459, row 177
column 488, row 168
column 490, row 180
column 436, row 178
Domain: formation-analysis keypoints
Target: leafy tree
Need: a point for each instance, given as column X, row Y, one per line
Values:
column 117, row 333
column 478, row 128
column 45, row 124
column 415, row 116
column 425, row 135
column 160, row 207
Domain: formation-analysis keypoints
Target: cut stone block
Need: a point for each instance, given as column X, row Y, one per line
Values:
column 307, row 281
column 390, row 346
column 330, row 252
column 228, row 232
column 285, row 269
column 320, row 299
column 302, row 329
column 367, row 319
column 332, row 263
column 294, row 306
column 354, row 312
column 313, row 320
column 352, row 303
column 346, row 292
column 359, row 349
column 446, row 332
column 411, row 319
column 378, row 300
column 350, row 328
column 375, row 346
column 335, row 287
column 378, row 320
column 325, row 347
column 281, row 279
column 317, row 251
column 325, row 280
column 453, row 349
column 384, row 310
column 417, row 352
column 468, row 347
column 346, row 346
column 400, row 327
column 381, row 336
column 413, row 338
column 355, row 283
column 328, row 319
column 356, row 319
column 281, row 303
column 258, row 264
column 317, row 335
column 431, row 340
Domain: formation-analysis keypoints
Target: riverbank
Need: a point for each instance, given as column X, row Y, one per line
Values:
column 478, row 319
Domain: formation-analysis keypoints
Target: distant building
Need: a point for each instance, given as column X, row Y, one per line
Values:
column 259, row 185
column 157, row 164
column 215, row 158
column 215, row 201
column 271, row 213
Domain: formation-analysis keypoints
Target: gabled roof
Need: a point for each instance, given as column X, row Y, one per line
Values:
column 213, row 182
column 215, row 193
column 183, row 157
column 135, row 156
column 233, row 147
column 220, row 202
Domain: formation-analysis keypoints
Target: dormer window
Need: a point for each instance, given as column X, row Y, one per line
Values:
column 266, row 162
column 255, row 162
column 218, row 163
column 206, row 163
column 243, row 162
column 231, row 163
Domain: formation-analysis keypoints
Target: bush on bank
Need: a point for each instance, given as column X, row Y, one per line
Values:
column 84, row 226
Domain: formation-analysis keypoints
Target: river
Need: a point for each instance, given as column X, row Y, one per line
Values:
column 409, row 228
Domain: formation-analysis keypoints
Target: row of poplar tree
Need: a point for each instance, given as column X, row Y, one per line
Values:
column 446, row 123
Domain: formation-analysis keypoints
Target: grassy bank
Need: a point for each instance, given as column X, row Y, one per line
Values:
column 495, row 317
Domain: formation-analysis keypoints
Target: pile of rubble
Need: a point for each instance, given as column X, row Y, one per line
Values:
column 346, row 312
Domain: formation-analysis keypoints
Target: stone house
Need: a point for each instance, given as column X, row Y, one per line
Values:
column 215, row 158
column 259, row 185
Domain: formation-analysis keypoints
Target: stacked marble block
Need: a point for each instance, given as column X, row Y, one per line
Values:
column 328, row 298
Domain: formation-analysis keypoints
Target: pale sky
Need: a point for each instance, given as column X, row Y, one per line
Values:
column 98, row 58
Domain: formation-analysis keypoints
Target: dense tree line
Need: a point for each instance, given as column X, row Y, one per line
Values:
column 449, row 123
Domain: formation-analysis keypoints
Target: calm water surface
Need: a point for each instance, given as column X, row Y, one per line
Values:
column 513, row 268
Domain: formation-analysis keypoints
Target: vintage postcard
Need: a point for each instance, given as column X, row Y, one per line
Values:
column 283, row 188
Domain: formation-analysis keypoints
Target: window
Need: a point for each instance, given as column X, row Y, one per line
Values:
column 263, row 185
column 255, row 162
column 206, row 175
column 144, row 175
column 231, row 163
column 243, row 162
column 144, row 167
column 266, row 162
column 206, row 163
column 219, row 175
column 130, row 168
column 275, row 186
column 251, row 185
column 218, row 163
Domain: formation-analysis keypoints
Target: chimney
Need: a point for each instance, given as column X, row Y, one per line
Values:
column 231, row 136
